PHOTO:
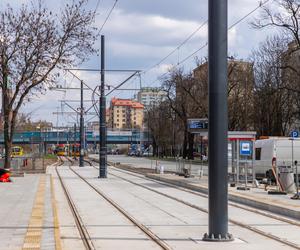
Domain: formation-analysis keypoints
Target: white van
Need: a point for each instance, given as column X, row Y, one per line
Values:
column 282, row 149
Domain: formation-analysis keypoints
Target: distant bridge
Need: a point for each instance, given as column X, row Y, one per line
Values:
column 54, row 137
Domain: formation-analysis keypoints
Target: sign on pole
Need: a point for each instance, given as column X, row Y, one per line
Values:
column 197, row 125
column 295, row 134
column 245, row 148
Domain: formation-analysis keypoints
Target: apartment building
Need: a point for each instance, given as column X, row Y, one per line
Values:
column 126, row 114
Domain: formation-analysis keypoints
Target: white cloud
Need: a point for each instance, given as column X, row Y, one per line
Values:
column 140, row 33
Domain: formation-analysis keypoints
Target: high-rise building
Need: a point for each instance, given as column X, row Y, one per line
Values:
column 150, row 96
column 125, row 113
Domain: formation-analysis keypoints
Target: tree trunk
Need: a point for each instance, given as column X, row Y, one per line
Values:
column 191, row 146
column 7, row 113
column 154, row 145
column 184, row 146
column 7, row 158
column 7, row 138
column 8, row 126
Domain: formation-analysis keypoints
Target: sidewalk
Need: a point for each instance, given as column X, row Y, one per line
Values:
column 26, row 213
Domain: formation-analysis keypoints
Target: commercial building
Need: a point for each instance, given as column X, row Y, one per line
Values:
column 126, row 114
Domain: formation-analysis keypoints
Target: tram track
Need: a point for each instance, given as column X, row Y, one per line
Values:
column 235, row 222
column 142, row 227
column 85, row 237
column 232, row 204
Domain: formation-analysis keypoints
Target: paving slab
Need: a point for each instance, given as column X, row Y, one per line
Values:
column 180, row 226
column 255, row 197
column 108, row 229
column 16, row 207
column 16, row 204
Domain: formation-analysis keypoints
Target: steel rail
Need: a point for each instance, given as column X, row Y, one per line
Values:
column 146, row 230
column 243, row 225
column 85, row 237
column 272, row 216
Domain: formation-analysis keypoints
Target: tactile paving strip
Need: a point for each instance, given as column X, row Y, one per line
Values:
column 33, row 236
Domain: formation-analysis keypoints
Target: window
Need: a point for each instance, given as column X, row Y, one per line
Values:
column 117, row 115
column 117, row 120
column 123, row 120
column 257, row 154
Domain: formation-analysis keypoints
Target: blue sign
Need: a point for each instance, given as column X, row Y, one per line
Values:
column 245, row 148
column 194, row 124
column 295, row 134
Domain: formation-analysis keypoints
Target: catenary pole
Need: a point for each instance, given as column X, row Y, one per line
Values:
column 74, row 141
column 102, row 127
column 218, row 122
column 81, row 164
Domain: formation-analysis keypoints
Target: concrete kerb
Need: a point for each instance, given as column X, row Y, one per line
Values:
column 234, row 197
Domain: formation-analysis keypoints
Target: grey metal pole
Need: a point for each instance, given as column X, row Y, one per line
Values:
column 296, row 170
column 81, row 164
column 237, row 162
column 102, row 127
column 218, row 122
column 73, row 150
column 297, row 181
column 253, row 168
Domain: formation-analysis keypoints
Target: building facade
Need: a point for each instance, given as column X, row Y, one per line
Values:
column 126, row 114
column 240, row 92
column 150, row 96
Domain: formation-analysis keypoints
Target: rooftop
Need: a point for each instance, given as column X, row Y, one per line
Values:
column 126, row 102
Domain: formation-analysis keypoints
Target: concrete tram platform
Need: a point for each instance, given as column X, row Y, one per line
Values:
column 179, row 226
column 255, row 197
column 35, row 214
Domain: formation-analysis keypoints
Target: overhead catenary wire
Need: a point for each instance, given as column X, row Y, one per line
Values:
column 107, row 17
column 177, row 48
column 97, row 6
column 261, row 4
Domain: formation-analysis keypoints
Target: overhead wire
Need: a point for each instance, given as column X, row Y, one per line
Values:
column 94, row 91
column 177, row 48
column 261, row 4
column 97, row 6
column 107, row 17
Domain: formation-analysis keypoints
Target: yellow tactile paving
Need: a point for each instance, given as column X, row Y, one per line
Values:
column 33, row 236
column 55, row 219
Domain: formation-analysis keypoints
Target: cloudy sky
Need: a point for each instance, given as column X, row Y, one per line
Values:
column 139, row 33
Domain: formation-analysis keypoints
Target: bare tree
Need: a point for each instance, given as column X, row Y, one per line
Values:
column 283, row 14
column 35, row 43
column 274, row 104
column 187, row 98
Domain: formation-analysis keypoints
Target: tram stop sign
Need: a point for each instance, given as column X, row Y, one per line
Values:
column 245, row 148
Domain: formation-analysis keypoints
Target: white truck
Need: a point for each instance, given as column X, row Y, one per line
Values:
column 283, row 150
